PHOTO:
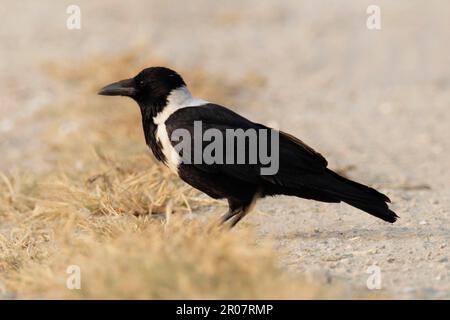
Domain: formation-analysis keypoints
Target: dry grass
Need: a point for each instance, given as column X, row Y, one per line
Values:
column 101, row 205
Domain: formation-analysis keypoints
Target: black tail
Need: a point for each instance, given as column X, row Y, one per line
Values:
column 359, row 196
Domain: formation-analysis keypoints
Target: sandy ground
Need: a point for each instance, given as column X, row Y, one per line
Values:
column 372, row 102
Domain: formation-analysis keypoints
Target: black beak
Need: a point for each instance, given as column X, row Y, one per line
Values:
column 120, row 88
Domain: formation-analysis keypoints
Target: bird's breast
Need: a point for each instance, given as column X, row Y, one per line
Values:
column 172, row 158
column 178, row 99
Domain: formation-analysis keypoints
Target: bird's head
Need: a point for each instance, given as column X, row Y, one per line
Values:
column 150, row 88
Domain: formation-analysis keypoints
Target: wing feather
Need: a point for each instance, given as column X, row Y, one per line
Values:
column 296, row 159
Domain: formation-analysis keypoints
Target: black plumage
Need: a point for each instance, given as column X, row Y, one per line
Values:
column 302, row 171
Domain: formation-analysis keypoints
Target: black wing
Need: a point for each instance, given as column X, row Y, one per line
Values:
column 295, row 157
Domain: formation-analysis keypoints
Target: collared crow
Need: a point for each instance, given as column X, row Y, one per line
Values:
column 166, row 105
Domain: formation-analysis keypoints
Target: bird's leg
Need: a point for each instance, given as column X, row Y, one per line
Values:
column 238, row 210
column 234, row 216
column 227, row 216
column 237, row 217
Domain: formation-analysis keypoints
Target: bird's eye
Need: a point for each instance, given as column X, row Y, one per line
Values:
column 141, row 83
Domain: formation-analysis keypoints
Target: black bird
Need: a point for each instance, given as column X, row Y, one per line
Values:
column 166, row 105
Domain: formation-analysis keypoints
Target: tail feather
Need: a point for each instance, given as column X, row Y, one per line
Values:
column 360, row 196
column 376, row 209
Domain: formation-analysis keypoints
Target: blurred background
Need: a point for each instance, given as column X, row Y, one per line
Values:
column 373, row 102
